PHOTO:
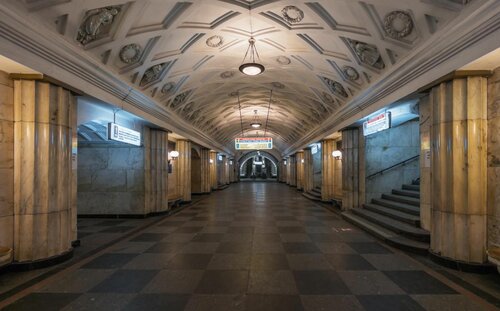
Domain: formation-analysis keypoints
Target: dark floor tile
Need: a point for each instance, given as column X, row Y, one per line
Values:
column 419, row 282
column 157, row 302
column 240, row 230
column 272, row 282
column 300, row 247
column 230, row 262
column 117, row 229
column 42, row 301
column 223, row 282
column 273, row 303
column 189, row 262
column 110, row 222
column 165, row 247
column 82, row 235
column 284, row 218
column 125, row 281
column 348, row 262
column 308, row 262
column 172, row 223
column 208, row 237
column 188, row 229
column 174, row 282
column 389, row 303
column 291, row 229
column 199, row 248
column 109, row 261
column 323, row 237
column 269, row 262
column 369, row 248
column 216, row 303
column 320, row 283
column 149, row 237
column 331, row 302
column 98, row 302
column 312, row 223
column 234, row 247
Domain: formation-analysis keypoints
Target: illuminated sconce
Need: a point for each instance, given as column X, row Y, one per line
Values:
column 230, row 162
column 174, row 154
column 211, row 161
column 302, row 161
column 284, row 162
column 337, row 154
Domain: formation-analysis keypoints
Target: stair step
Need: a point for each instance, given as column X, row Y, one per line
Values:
column 401, row 207
column 401, row 199
column 311, row 196
column 394, row 214
column 407, row 193
column 388, row 236
column 411, row 187
column 397, row 226
column 316, row 191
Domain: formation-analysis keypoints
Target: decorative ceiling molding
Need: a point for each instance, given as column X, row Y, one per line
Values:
column 178, row 9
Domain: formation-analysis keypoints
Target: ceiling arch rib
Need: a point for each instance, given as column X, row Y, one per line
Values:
column 184, row 54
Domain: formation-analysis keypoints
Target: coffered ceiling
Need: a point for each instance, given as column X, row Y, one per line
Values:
column 185, row 55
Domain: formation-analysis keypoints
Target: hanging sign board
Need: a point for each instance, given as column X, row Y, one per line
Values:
column 123, row 134
column 377, row 123
column 252, row 143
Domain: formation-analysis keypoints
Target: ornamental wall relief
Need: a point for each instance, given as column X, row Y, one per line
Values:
column 97, row 24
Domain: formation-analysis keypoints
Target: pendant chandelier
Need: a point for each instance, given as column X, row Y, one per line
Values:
column 251, row 67
column 255, row 123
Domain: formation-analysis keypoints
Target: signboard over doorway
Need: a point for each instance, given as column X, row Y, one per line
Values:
column 253, row 143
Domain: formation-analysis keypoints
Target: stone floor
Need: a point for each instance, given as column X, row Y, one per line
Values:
column 253, row 246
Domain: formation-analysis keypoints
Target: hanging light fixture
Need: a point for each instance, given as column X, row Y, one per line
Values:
column 255, row 123
column 251, row 67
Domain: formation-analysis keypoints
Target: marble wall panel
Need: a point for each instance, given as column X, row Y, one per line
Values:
column 493, row 170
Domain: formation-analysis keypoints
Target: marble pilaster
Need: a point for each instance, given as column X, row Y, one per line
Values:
column 213, row 170
column 156, row 170
column 425, row 167
column 327, row 170
column 44, row 116
column 183, row 166
column 308, row 170
column 299, row 163
column 459, row 169
column 353, row 168
column 205, row 170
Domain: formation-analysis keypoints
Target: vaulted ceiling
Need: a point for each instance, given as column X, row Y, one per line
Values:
column 185, row 55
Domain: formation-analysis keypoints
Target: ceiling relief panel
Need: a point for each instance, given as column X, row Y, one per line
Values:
column 184, row 55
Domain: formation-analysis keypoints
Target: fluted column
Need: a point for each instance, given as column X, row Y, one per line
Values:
column 45, row 117
column 156, row 170
column 308, row 170
column 205, row 171
column 299, row 157
column 293, row 171
column 425, row 162
column 327, row 170
column 213, row 170
column 353, row 169
column 458, row 182
column 183, row 165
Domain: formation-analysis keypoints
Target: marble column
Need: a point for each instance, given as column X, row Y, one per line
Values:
column 308, row 183
column 44, row 120
column 156, row 170
column 213, row 170
column 494, row 159
column 353, row 168
column 299, row 159
column 183, row 165
column 205, row 171
column 6, row 167
column 458, row 169
column 327, row 170
column 425, row 163
column 293, row 171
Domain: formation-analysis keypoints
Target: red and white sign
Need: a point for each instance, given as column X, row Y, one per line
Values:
column 377, row 123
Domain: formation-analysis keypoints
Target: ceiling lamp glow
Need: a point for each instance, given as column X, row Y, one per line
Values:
column 255, row 123
column 251, row 67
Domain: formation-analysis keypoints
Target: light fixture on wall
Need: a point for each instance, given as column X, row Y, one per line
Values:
column 251, row 67
column 255, row 123
column 284, row 162
column 230, row 162
column 302, row 161
column 211, row 161
column 337, row 154
column 174, row 154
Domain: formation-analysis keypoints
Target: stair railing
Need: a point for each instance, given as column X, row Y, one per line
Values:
column 402, row 163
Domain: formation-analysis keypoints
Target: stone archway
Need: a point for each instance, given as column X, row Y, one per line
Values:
column 271, row 170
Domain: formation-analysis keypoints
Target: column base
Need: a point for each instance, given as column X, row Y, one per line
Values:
column 447, row 262
column 41, row 263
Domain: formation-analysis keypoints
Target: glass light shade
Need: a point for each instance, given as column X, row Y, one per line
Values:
column 255, row 125
column 284, row 162
column 211, row 161
column 174, row 154
column 252, row 69
column 337, row 154
column 302, row 161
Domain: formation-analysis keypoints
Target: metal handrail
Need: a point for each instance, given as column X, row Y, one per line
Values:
column 393, row 166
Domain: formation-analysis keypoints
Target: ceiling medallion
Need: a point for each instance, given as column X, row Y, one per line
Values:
column 367, row 53
column 398, row 24
column 351, row 73
column 95, row 22
column 167, row 88
column 152, row 73
column 251, row 68
column 278, row 85
column 292, row 14
column 335, row 87
column 328, row 98
column 283, row 60
column 130, row 53
column 215, row 41
column 227, row 74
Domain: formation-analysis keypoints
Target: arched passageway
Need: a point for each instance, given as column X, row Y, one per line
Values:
column 258, row 165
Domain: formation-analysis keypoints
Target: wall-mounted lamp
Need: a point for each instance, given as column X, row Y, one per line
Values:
column 284, row 162
column 302, row 161
column 337, row 154
column 230, row 162
column 211, row 161
column 174, row 154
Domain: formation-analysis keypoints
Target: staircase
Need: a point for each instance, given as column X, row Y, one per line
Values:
column 394, row 218
column 314, row 194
